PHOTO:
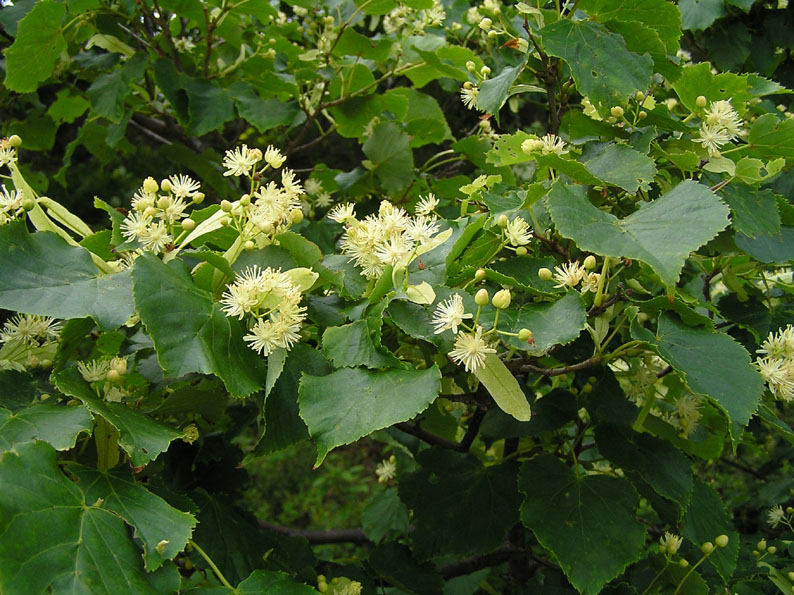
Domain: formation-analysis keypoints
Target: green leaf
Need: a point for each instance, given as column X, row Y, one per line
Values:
column 393, row 562
column 42, row 274
column 353, row 43
column 698, row 80
column 714, row 365
column 503, row 387
column 705, row 519
column 154, row 520
column 209, row 105
column 424, row 120
column 189, row 330
column 622, row 166
column 642, row 39
column 523, row 272
column 357, row 344
column 264, row 114
column 600, row 64
column 771, row 137
column 460, row 507
column 666, row 469
column 660, row 15
column 697, row 15
column 273, row 583
column 348, row 404
column 56, row 539
column 392, row 160
column 385, row 513
column 38, row 44
column 755, row 212
column 140, row 436
column 774, row 248
column 587, row 521
column 55, row 424
column 494, row 91
column 661, row 234
column 109, row 91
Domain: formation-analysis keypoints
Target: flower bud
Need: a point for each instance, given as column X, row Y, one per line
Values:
column 707, row 548
column 28, row 204
column 790, row 576
column 501, row 299
column 492, row 33
column 545, row 274
column 226, row 221
column 188, row 224
column 163, row 202
column 481, row 298
column 521, row 251
column 46, row 364
column 485, row 71
column 150, row 185
column 642, row 115
column 683, row 563
column 761, row 545
column 14, row 140
column 700, row 101
column 639, row 96
column 198, row 198
column 165, row 185
column 486, row 24
column 149, row 212
column 249, row 245
column 721, row 541
column 296, row 215
column 479, row 275
column 502, row 221
column 226, row 206
column 590, row 262
column 617, row 111
column 113, row 376
column 119, row 364
column 524, row 334
column 245, row 200
column 771, row 549
column 471, row 66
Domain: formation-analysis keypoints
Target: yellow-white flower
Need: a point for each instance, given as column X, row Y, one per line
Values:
column 568, row 274
column 183, row 186
column 449, row 314
column 273, row 157
column 239, row 162
column 470, row 350
column 518, row 232
column 426, row 205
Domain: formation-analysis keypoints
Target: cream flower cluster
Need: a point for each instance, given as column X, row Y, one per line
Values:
column 10, row 205
column 546, row 145
column 392, row 237
column 29, row 340
column 776, row 363
column 405, row 21
column 470, row 348
column 158, row 210
column 720, row 126
column 270, row 299
column 570, row 274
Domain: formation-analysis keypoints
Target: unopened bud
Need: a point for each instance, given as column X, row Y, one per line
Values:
column 485, row 71
column 14, row 140
column 521, row 251
column 486, row 24
column 479, row 274
column 245, row 200
column 501, row 299
column 700, row 101
column 524, row 334
column 163, row 202
column 761, row 545
column 481, row 298
column 226, row 206
column 113, row 376
column 707, row 548
column 28, row 204
column 296, row 215
column 590, row 262
column 150, row 185
column 502, row 221
column 119, row 364
column 790, row 575
column 471, row 66
column 249, row 245
column 226, row 220
column 165, row 185
column 149, row 212
column 617, row 111
column 642, row 115
column 545, row 274
column 771, row 549
column 715, row 154
column 721, row 541
column 188, row 224
column 683, row 563
column 639, row 96
column 46, row 364
column 198, row 198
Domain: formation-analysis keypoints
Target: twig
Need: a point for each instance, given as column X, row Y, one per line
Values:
column 425, row 436
column 472, row 430
column 148, row 132
column 588, row 363
column 319, row 537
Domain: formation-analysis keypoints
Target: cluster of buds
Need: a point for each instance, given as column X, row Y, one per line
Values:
column 776, row 363
column 720, row 125
column 110, row 373
column 29, row 341
column 571, row 274
column 159, row 214
column 546, row 145
column 472, row 341
column 8, row 149
column 270, row 301
column 391, row 237
column 404, row 21
column 386, row 469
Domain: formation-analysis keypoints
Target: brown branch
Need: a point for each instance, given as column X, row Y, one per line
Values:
column 588, row 363
column 472, row 430
column 475, row 563
column 618, row 296
column 664, row 372
column 425, row 436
